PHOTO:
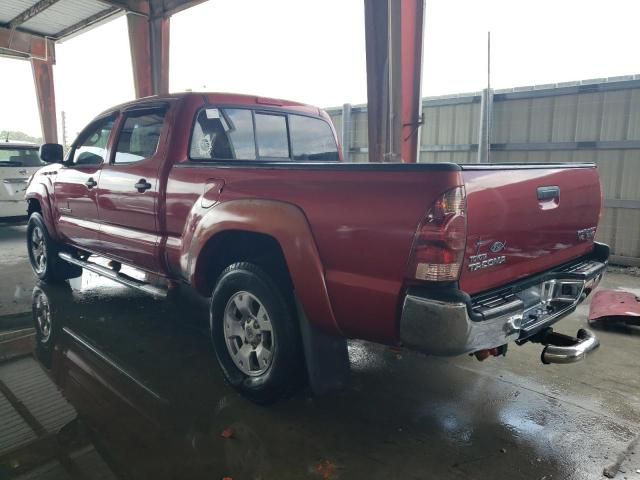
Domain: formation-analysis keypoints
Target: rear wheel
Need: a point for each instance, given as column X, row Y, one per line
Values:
column 43, row 253
column 255, row 333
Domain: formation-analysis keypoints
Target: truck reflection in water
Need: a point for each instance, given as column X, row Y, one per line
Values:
column 118, row 385
column 126, row 410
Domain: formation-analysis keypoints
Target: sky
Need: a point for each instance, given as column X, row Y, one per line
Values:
column 314, row 51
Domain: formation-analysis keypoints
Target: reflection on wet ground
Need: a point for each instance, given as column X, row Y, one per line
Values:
column 129, row 388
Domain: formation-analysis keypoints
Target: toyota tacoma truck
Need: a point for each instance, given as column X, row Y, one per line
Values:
column 247, row 200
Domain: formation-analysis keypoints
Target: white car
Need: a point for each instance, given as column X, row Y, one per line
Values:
column 18, row 161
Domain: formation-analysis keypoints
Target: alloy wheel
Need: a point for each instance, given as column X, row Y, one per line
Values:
column 248, row 334
column 39, row 250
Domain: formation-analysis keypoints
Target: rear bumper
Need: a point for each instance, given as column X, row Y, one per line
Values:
column 449, row 322
column 13, row 208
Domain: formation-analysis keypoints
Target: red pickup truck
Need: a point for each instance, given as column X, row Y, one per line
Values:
column 246, row 199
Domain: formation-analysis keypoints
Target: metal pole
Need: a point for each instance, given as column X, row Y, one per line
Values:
column 346, row 132
column 390, row 154
column 64, row 130
column 489, row 102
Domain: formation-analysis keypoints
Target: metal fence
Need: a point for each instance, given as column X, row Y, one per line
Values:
column 587, row 121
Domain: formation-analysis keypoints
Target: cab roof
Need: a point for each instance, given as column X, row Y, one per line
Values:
column 217, row 98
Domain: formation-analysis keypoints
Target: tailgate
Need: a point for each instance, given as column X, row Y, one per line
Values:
column 524, row 219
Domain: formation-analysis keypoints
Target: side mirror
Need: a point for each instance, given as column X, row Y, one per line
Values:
column 51, row 153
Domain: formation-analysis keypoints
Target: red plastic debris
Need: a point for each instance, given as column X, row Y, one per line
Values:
column 613, row 304
column 227, row 433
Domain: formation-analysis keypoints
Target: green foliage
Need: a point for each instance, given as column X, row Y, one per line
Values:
column 18, row 136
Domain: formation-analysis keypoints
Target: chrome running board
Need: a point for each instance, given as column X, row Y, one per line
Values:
column 156, row 292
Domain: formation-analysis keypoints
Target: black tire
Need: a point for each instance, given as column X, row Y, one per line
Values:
column 285, row 372
column 52, row 269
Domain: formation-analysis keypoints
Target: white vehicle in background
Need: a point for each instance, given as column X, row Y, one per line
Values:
column 18, row 161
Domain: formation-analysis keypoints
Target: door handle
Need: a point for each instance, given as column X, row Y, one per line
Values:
column 142, row 185
column 91, row 183
column 548, row 193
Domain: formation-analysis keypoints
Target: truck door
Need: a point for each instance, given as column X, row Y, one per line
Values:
column 76, row 210
column 129, row 188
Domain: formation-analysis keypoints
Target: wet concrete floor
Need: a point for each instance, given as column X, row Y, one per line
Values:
column 131, row 390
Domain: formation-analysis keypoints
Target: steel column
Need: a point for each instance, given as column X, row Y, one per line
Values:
column 45, row 93
column 377, row 37
column 484, row 132
column 394, row 32
column 346, row 132
column 149, row 44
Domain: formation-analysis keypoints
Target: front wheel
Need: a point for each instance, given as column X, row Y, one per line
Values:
column 43, row 253
column 255, row 334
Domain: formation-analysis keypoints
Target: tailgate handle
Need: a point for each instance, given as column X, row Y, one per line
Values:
column 548, row 193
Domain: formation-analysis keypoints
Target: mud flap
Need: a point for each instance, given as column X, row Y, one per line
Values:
column 326, row 356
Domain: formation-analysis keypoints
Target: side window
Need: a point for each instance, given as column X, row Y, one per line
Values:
column 139, row 136
column 91, row 149
column 223, row 134
column 271, row 134
column 312, row 139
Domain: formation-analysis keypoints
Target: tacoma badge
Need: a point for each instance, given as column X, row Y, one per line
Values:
column 482, row 260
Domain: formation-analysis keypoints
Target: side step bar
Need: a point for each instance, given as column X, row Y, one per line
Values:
column 155, row 292
column 562, row 348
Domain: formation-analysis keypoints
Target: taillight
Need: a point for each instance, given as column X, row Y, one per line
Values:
column 438, row 246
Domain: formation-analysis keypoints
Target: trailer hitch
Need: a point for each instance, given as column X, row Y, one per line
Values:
column 561, row 348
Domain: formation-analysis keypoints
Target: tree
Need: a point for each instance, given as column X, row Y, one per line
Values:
column 18, row 136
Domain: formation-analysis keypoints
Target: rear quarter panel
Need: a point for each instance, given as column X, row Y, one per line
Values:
column 363, row 223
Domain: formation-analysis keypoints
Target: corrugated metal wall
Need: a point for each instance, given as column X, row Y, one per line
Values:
column 588, row 121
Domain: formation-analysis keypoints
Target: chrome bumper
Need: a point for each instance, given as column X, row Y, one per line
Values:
column 446, row 328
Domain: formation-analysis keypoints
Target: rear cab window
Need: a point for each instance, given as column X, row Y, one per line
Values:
column 227, row 133
column 271, row 134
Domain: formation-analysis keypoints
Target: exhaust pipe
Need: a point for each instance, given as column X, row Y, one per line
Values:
column 562, row 348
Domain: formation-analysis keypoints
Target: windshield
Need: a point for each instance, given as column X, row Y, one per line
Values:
column 20, row 157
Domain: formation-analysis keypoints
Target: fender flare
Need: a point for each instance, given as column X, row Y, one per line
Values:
column 39, row 193
column 288, row 225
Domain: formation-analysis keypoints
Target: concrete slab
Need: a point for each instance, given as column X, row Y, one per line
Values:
column 151, row 401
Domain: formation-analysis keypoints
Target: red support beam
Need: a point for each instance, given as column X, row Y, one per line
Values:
column 394, row 32
column 43, row 79
column 42, row 54
column 412, row 31
column 149, row 44
column 14, row 43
